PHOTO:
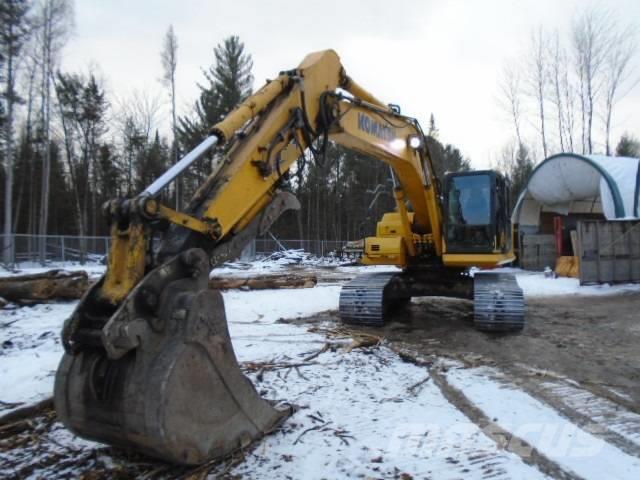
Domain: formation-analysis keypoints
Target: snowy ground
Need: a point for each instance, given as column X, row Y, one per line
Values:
column 364, row 413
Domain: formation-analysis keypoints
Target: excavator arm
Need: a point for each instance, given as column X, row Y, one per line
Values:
column 148, row 360
column 266, row 134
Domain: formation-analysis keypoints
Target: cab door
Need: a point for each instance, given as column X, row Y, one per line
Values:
column 470, row 207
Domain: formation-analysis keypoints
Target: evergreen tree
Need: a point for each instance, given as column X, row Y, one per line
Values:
column 14, row 29
column 628, row 146
column 109, row 173
column 520, row 172
column 517, row 165
column 227, row 83
column 151, row 163
column 83, row 107
column 446, row 158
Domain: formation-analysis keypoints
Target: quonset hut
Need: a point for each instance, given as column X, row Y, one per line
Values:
column 568, row 188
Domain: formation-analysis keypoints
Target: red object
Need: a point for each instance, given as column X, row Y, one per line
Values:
column 558, row 229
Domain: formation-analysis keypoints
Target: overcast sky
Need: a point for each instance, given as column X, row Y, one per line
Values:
column 440, row 57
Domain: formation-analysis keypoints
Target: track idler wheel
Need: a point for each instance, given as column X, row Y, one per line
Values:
column 168, row 383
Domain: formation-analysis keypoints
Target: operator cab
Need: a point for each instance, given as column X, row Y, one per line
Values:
column 476, row 219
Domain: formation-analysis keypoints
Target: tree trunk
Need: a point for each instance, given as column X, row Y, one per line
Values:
column 7, row 244
column 262, row 282
column 51, row 285
column 46, row 163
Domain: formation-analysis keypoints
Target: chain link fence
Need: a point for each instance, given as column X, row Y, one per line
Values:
column 26, row 250
column 46, row 249
column 319, row 248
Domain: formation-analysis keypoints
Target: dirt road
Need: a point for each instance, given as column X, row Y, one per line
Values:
column 594, row 341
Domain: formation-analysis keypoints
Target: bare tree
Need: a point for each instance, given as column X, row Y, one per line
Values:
column 511, row 95
column 617, row 74
column 569, row 92
column 592, row 40
column 141, row 107
column 137, row 118
column 169, row 58
column 558, row 66
column 54, row 20
column 537, row 79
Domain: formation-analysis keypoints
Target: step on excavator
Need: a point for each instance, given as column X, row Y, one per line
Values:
column 148, row 361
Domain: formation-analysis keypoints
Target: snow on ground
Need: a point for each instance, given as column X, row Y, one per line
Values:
column 359, row 418
column 30, row 350
column 535, row 284
column 252, row 315
column 357, row 413
column 364, row 413
column 542, row 427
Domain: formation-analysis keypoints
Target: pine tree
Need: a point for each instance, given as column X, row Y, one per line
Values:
column 232, row 74
column 151, row 163
column 446, row 158
column 628, row 146
column 14, row 29
column 83, row 108
column 227, row 83
column 520, row 172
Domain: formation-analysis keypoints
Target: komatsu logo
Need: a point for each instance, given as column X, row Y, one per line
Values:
column 377, row 129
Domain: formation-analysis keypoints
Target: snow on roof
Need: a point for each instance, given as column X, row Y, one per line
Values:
column 569, row 182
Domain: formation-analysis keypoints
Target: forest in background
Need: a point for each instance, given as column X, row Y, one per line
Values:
column 66, row 146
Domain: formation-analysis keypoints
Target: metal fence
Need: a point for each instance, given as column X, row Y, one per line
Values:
column 319, row 248
column 38, row 249
column 32, row 249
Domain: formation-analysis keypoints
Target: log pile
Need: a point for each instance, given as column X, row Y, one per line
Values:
column 263, row 282
column 39, row 287
column 63, row 285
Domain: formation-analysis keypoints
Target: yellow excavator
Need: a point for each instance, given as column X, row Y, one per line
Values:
column 148, row 360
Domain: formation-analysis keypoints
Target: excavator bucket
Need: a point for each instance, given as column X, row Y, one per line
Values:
column 159, row 374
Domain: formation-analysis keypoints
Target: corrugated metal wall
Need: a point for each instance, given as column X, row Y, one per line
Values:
column 609, row 251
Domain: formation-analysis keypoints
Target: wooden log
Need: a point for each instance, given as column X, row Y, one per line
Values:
column 51, row 285
column 263, row 282
column 26, row 412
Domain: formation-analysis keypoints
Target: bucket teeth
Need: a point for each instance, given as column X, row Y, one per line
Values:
column 177, row 392
column 498, row 302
